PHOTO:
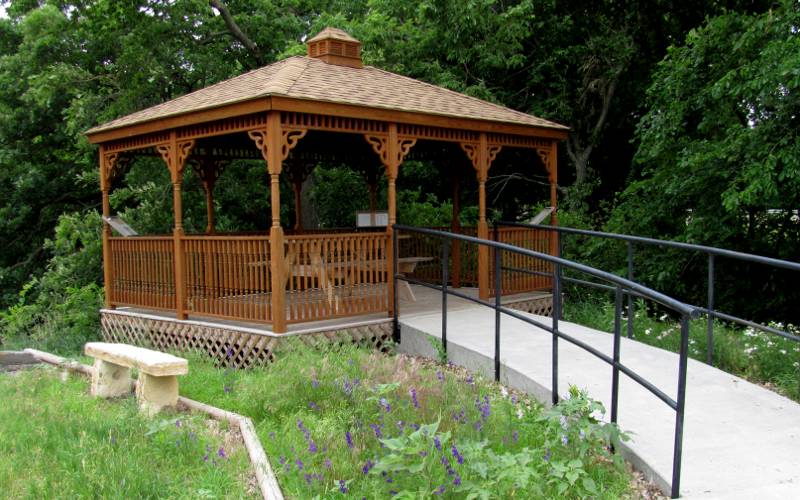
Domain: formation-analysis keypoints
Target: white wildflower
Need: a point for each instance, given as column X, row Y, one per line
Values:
column 520, row 412
column 504, row 392
column 648, row 331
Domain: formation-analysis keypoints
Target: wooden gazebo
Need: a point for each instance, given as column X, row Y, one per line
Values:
column 294, row 113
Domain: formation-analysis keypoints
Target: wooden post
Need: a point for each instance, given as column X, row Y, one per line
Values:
column 175, row 154
column 483, row 225
column 105, row 186
column 482, row 154
column 552, row 166
column 455, row 227
column 297, row 186
column 210, row 223
column 392, row 149
column 273, row 143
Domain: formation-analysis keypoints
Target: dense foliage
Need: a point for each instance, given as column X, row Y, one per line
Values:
column 689, row 109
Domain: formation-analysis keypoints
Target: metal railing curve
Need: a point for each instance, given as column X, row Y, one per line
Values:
column 711, row 252
column 619, row 284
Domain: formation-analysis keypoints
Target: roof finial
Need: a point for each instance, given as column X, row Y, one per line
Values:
column 335, row 46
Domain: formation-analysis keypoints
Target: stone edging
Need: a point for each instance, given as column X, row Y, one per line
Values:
column 267, row 481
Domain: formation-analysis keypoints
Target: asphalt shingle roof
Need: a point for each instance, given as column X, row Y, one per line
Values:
column 311, row 79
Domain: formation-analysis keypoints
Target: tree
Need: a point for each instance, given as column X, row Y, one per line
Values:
column 718, row 160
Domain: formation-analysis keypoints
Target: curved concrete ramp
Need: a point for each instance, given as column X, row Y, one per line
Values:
column 740, row 440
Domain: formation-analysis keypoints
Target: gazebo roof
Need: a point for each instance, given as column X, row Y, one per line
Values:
column 312, row 79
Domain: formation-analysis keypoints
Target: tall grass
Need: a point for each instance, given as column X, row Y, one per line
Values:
column 56, row 441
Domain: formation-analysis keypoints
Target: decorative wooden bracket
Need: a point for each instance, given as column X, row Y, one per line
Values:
column 473, row 153
column 545, row 156
column 289, row 139
column 175, row 157
column 209, row 170
column 112, row 166
column 382, row 147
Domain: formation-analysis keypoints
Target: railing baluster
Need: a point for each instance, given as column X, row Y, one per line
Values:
column 710, row 319
column 395, row 305
column 631, row 311
column 615, row 370
column 498, row 295
column 445, row 277
column 556, row 316
column 679, row 411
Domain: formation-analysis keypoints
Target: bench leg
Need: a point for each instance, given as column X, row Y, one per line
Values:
column 110, row 380
column 155, row 393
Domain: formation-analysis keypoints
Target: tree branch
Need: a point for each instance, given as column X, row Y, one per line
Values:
column 236, row 31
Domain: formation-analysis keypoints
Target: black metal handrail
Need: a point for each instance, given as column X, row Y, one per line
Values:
column 620, row 285
column 711, row 252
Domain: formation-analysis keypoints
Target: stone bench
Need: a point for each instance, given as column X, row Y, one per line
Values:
column 158, row 374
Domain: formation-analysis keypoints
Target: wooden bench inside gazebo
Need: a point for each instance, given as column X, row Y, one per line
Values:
column 292, row 114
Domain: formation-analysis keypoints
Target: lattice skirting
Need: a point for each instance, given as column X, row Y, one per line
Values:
column 542, row 306
column 227, row 345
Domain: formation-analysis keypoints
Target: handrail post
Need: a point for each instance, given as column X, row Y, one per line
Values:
column 631, row 311
column 498, row 283
column 445, row 278
column 679, row 411
column 710, row 319
column 395, row 301
column 615, row 370
column 556, row 316
column 560, row 246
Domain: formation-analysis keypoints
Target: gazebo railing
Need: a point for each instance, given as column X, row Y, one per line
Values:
column 143, row 272
column 228, row 277
column 332, row 275
column 326, row 275
column 463, row 264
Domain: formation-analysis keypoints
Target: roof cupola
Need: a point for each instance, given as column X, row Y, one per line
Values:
column 335, row 46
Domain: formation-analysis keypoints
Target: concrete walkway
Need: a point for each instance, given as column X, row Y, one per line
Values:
column 740, row 441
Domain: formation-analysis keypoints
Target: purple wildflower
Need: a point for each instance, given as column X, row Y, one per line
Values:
column 457, row 455
column 440, row 376
column 282, row 460
column 401, row 425
column 343, row 486
column 515, row 436
column 308, row 478
column 314, row 381
column 313, row 405
column 312, row 447
column 349, row 439
column 439, row 490
column 299, row 464
column 229, row 353
column 221, row 453
column 513, row 399
column 564, row 439
column 470, row 380
column 226, row 388
column 377, row 430
column 547, row 455
column 205, row 457
column 328, row 463
column 457, row 480
column 178, row 423
column 414, row 400
column 386, row 405
column 415, row 426
column 423, row 453
column 437, row 443
column 367, row 467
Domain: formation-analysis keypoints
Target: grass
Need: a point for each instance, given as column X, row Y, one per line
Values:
column 353, row 423
column 56, row 441
column 760, row 357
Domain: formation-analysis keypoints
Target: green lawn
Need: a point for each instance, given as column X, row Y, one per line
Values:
column 353, row 423
column 760, row 357
column 58, row 442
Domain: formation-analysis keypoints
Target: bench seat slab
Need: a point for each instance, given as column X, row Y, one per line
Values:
column 146, row 360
